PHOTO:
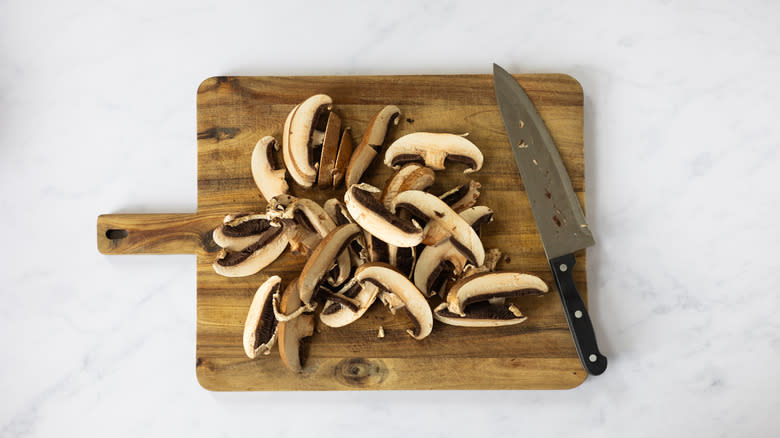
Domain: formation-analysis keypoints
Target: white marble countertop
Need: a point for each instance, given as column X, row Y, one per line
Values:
column 97, row 109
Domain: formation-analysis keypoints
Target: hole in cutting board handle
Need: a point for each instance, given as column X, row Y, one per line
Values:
column 115, row 234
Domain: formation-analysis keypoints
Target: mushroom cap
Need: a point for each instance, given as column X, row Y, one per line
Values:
column 372, row 141
column 433, row 149
column 261, row 325
column 292, row 332
column 442, row 216
column 343, row 315
column 268, row 178
column 481, row 315
column 252, row 259
column 490, row 285
column 411, row 176
column 370, row 214
column 388, row 279
column 322, row 259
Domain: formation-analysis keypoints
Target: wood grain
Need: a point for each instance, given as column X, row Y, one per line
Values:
column 233, row 112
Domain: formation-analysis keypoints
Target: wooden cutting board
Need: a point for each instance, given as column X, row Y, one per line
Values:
column 234, row 112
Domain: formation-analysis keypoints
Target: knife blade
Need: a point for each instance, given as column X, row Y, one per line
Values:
column 556, row 209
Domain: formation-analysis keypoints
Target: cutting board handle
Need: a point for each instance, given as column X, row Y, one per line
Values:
column 163, row 233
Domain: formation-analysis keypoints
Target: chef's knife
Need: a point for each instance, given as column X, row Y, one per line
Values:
column 556, row 209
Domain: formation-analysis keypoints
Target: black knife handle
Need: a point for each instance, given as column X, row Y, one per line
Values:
column 577, row 315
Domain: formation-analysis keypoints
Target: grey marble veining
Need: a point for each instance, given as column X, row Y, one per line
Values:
column 97, row 115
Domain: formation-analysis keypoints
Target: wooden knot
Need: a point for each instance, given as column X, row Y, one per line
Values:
column 361, row 372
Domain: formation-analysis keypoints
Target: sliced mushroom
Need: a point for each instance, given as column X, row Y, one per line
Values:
column 388, row 279
column 371, row 144
column 492, row 256
column 402, row 259
column 338, row 314
column 392, row 301
column 439, row 264
column 310, row 215
column 439, row 214
column 463, row 196
column 342, row 159
column 240, row 231
column 337, row 211
column 482, row 314
column 268, row 177
column 370, row 214
column 260, row 326
column 302, row 138
column 433, row 149
column 436, row 265
column 411, row 176
column 292, row 333
column 252, row 259
column 492, row 285
column 476, row 216
column 378, row 250
column 330, row 149
column 302, row 240
column 322, row 259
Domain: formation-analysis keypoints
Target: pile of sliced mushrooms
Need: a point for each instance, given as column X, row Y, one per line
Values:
column 401, row 246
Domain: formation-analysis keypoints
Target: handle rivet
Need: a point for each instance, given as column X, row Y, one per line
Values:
column 578, row 314
column 592, row 358
column 563, row 267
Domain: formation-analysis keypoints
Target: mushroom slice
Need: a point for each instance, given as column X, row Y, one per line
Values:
column 302, row 240
column 371, row 143
column 492, row 256
column 436, row 265
column 337, row 314
column 378, row 250
column 268, row 177
column 388, row 279
column 402, row 259
column 310, row 215
column 240, row 231
column 322, row 259
column 411, row 176
column 441, row 263
column 330, row 149
column 481, row 315
column 337, row 212
column 293, row 332
column 477, row 216
column 492, row 285
column 302, row 137
column 441, row 215
column 463, row 196
column 342, row 159
column 432, row 149
column 370, row 214
column 392, row 301
column 252, row 259
column 260, row 326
